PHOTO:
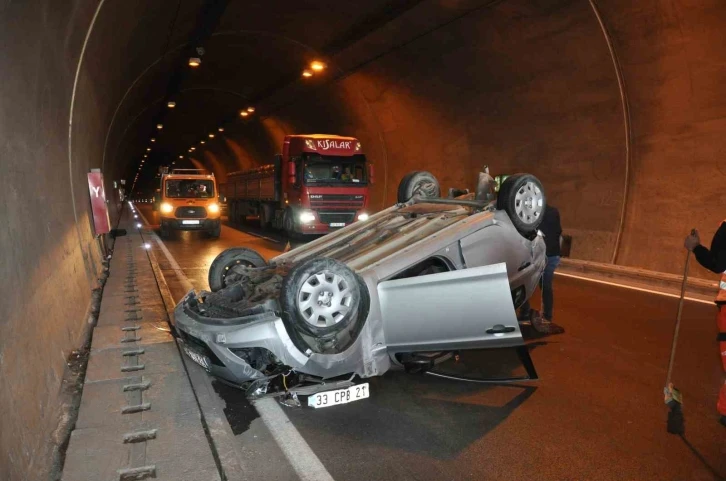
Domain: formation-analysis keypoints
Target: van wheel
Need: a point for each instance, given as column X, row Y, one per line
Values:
column 418, row 184
column 523, row 199
column 325, row 303
column 226, row 260
column 215, row 231
column 164, row 231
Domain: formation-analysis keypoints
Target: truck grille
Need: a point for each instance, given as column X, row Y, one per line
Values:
column 336, row 201
column 190, row 212
column 336, row 217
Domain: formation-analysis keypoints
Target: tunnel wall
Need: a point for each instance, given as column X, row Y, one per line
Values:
column 50, row 259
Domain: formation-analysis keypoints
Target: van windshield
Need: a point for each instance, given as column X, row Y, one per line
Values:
column 190, row 188
column 334, row 169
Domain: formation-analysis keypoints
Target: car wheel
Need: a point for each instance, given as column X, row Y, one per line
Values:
column 523, row 199
column 215, row 231
column 235, row 256
column 164, row 231
column 418, row 184
column 325, row 303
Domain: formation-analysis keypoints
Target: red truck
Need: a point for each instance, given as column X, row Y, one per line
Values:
column 319, row 183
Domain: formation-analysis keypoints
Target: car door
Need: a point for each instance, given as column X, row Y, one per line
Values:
column 460, row 309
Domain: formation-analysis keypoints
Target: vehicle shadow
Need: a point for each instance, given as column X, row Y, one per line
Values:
column 418, row 413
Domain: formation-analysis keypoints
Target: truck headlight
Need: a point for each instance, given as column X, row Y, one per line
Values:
column 166, row 208
column 307, row 217
column 363, row 216
column 213, row 208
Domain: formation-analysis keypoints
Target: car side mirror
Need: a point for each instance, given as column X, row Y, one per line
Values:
column 222, row 199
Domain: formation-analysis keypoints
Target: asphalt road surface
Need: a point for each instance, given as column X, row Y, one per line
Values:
column 596, row 413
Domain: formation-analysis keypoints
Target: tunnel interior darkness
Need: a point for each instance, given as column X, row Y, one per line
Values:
column 617, row 106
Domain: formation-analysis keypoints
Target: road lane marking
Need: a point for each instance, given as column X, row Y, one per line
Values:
column 297, row 451
column 632, row 288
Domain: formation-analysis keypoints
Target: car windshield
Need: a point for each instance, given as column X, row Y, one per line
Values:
column 332, row 169
column 190, row 188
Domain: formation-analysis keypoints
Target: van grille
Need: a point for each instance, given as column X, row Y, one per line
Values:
column 191, row 212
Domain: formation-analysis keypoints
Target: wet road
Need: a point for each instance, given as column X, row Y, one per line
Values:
column 596, row 412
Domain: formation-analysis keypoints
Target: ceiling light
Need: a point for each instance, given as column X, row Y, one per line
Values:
column 317, row 65
column 221, row 129
column 159, row 126
column 211, row 136
column 194, row 62
column 202, row 142
column 192, row 148
column 153, row 139
column 307, row 73
column 244, row 113
column 250, row 109
column 148, row 149
column 171, row 105
column 181, row 156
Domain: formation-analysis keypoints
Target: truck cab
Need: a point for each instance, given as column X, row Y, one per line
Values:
column 188, row 199
column 325, row 182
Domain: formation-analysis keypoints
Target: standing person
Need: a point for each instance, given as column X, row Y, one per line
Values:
column 552, row 230
column 715, row 261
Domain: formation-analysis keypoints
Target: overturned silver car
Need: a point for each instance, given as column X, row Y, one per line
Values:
column 407, row 287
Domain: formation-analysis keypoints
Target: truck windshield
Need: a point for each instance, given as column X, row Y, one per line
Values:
column 333, row 169
column 190, row 188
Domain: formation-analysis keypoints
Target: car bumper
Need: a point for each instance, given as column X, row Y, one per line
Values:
column 179, row 224
column 218, row 339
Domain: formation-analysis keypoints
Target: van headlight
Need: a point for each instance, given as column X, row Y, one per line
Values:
column 166, row 208
column 363, row 216
column 307, row 217
column 213, row 208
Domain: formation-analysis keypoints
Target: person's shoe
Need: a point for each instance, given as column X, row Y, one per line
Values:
column 541, row 325
column 722, row 420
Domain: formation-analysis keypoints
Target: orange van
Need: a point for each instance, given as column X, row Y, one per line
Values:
column 188, row 200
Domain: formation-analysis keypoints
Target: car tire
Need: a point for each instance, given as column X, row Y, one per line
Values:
column 164, row 231
column 215, row 231
column 418, row 184
column 522, row 197
column 330, row 328
column 228, row 259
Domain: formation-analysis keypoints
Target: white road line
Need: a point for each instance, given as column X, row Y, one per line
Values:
column 297, row 451
column 302, row 458
column 632, row 288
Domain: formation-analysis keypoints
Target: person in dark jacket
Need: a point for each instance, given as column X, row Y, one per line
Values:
column 552, row 230
column 714, row 260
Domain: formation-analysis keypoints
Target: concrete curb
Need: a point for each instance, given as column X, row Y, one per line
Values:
column 211, row 406
column 641, row 278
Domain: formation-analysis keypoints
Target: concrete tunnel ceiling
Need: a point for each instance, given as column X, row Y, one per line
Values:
column 546, row 86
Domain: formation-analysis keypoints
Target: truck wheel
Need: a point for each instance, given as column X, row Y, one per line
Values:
column 325, row 303
column 418, row 184
column 234, row 256
column 215, row 231
column 523, row 199
column 288, row 223
column 265, row 216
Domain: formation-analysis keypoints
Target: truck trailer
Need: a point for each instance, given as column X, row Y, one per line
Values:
column 318, row 184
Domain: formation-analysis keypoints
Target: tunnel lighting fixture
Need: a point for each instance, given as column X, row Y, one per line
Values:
column 307, row 73
column 148, row 149
column 250, row 109
column 153, row 139
column 221, row 129
column 138, row 226
column 317, row 65
column 159, row 126
column 171, row 105
column 244, row 113
column 192, row 149
column 211, row 136
column 147, row 246
column 195, row 62
column 202, row 142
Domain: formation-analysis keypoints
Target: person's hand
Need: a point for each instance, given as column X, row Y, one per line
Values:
column 692, row 241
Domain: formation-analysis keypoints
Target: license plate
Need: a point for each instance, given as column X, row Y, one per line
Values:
column 198, row 358
column 337, row 224
column 192, row 222
column 339, row 396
